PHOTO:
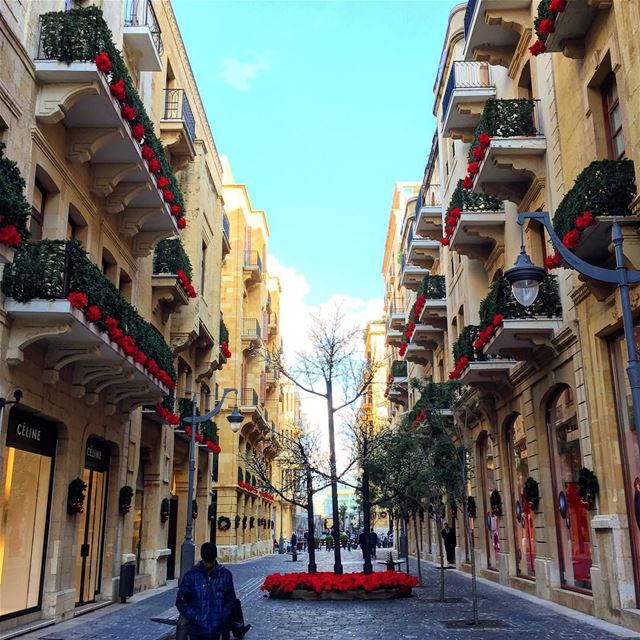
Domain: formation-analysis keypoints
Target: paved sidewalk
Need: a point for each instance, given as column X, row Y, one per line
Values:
column 417, row 618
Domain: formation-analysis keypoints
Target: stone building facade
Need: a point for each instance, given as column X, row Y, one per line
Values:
column 544, row 408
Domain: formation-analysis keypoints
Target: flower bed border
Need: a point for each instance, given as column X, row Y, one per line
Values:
column 305, row 594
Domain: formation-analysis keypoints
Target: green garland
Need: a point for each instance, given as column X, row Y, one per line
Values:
column 224, row 332
column 50, row 269
column 505, row 119
column 124, row 499
column 169, row 256
column 468, row 200
column 434, row 287
column 224, row 523
column 75, row 496
column 14, row 207
column 605, row 188
column 531, row 492
column 79, row 35
column 399, row 368
column 463, row 346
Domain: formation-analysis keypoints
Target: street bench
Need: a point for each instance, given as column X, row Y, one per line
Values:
column 391, row 564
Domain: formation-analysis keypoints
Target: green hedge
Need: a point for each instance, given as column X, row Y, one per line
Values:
column 500, row 300
column 51, row 269
column 224, row 332
column 399, row 368
column 467, row 200
column 440, row 395
column 207, row 429
column 505, row 119
column 169, row 256
column 463, row 346
column 14, row 207
column 543, row 12
column 79, row 35
column 605, row 187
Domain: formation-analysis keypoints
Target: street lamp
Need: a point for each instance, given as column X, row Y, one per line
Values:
column 235, row 418
column 525, row 279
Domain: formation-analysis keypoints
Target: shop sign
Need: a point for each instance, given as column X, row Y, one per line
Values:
column 96, row 455
column 29, row 432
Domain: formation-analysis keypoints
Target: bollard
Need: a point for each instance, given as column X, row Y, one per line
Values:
column 181, row 628
column 294, row 554
column 390, row 564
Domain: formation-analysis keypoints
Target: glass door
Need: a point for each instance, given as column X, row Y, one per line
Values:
column 90, row 537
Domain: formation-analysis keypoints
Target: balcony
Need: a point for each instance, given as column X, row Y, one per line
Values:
column 515, row 157
column 394, row 337
column 422, row 252
column 271, row 378
column 398, row 391
column 178, row 127
column 72, row 91
column 251, row 331
column 607, row 189
column 226, row 235
column 434, row 311
column 142, row 35
column 75, row 341
column 252, row 267
column 273, row 324
column 396, row 315
column 253, row 408
column 524, row 333
column 572, row 26
column 421, row 354
column 411, row 275
column 468, row 88
column 497, row 31
column 168, row 294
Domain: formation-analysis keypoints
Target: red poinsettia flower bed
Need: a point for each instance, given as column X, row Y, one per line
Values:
column 247, row 487
column 327, row 581
column 266, row 495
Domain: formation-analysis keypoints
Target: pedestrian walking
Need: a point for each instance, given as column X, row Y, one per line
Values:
column 373, row 542
column 305, row 540
column 449, row 537
column 361, row 541
column 207, row 599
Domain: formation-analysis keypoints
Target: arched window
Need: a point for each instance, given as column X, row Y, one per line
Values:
column 523, row 521
column 572, row 516
column 488, row 485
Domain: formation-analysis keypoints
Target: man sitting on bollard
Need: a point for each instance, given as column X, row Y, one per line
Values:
column 207, row 599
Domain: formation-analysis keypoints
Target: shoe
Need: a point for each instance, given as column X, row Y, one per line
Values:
column 241, row 632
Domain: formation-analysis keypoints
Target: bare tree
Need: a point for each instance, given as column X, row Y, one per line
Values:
column 333, row 369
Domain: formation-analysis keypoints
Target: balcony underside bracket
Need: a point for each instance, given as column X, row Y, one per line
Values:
column 23, row 335
column 60, row 355
column 123, row 194
column 106, row 177
column 145, row 242
column 84, row 143
column 85, row 373
column 54, row 100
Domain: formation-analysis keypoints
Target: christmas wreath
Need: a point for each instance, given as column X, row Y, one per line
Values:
column 164, row 510
column 471, row 507
column 531, row 492
column 224, row 523
column 124, row 500
column 75, row 496
column 194, row 509
column 588, row 487
column 244, row 522
column 237, row 521
column 495, row 501
column 252, row 522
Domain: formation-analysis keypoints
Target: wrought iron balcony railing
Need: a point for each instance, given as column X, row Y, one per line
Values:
column 253, row 260
column 140, row 13
column 249, row 397
column 251, row 328
column 466, row 75
column 468, row 16
column 177, row 107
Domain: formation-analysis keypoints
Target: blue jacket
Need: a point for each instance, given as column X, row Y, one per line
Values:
column 206, row 598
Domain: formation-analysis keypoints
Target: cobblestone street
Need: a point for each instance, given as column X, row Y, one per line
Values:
column 419, row 617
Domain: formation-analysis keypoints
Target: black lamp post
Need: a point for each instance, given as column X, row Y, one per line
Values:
column 17, row 395
column 525, row 278
column 188, row 548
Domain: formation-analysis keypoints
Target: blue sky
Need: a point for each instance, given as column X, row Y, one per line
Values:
column 321, row 107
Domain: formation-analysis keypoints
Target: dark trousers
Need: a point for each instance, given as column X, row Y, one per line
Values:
column 236, row 620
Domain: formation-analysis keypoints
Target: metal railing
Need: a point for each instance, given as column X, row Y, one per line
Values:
column 396, row 306
column 466, row 75
column 140, row 13
column 252, row 259
column 177, row 107
column 249, row 398
column 468, row 17
column 226, row 226
column 251, row 328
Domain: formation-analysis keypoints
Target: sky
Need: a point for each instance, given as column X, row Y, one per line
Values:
column 321, row 107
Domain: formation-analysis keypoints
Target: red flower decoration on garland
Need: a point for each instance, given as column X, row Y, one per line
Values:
column 484, row 139
column 479, row 153
column 175, row 209
column 147, row 152
column 167, row 195
column 537, row 48
column 137, row 131
column 571, row 239
column 585, row 220
column 77, row 299
column 473, row 168
column 10, row 236
column 467, row 182
column 213, row 446
column 546, row 27
column 118, row 90
column 163, row 183
column 103, row 62
column 444, row 242
column 552, row 262
column 558, row 5
column 128, row 112
column 93, row 313
column 154, row 165
column 182, row 223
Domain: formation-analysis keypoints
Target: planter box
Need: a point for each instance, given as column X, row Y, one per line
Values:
column 304, row 594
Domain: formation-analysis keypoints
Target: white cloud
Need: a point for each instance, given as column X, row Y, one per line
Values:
column 295, row 318
column 240, row 75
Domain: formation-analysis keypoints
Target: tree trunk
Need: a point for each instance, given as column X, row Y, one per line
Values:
column 441, row 562
column 337, row 563
column 366, row 513
column 311, row 529
column 415, row 528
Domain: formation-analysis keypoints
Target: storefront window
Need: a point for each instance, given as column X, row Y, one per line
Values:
column 523, row 520
column 137, row 515
column 24, row 511
column 618, row 350
column 492, row 525
column 572, row 515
